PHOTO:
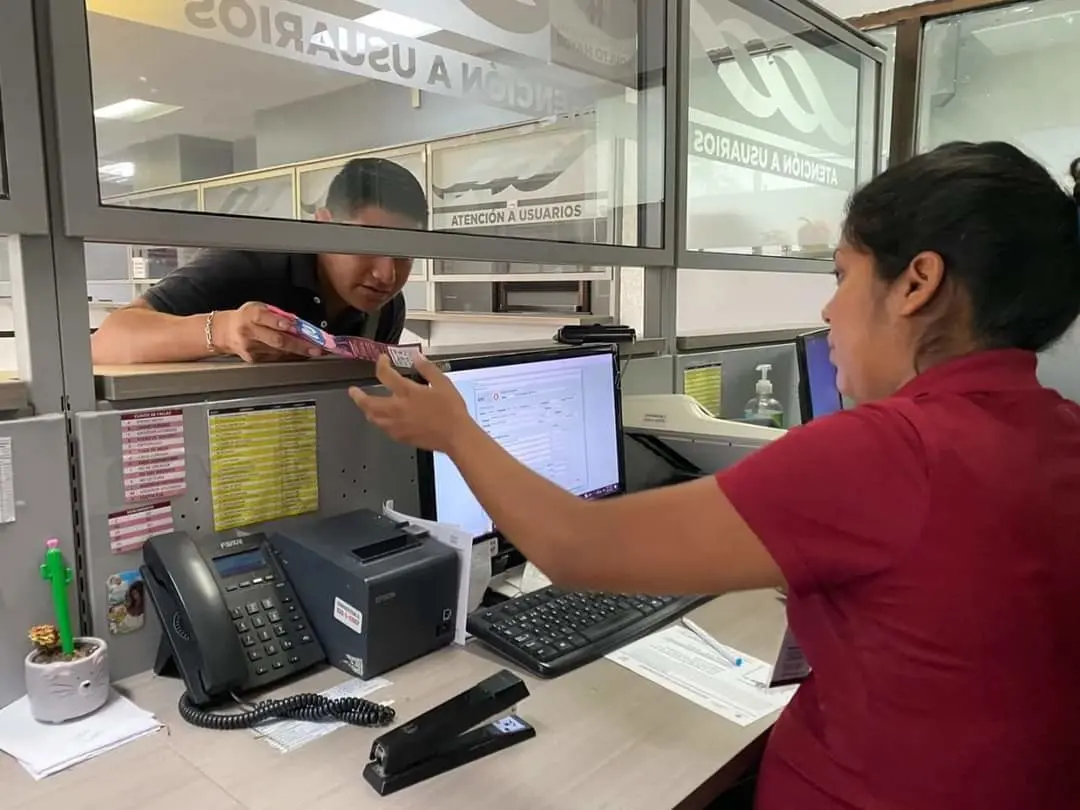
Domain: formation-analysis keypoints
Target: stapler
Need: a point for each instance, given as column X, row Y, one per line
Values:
column 454, row 733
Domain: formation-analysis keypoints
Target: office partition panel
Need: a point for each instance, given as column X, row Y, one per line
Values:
column 35, row 490
column 357, row 466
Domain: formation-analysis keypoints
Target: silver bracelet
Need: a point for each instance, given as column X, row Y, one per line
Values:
column 208, row 330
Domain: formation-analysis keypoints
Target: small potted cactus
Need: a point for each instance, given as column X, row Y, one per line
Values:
column 66, row 677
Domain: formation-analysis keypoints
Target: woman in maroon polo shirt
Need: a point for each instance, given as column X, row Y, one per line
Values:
column 929, row 538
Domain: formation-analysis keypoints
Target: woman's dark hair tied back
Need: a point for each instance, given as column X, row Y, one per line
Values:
column 1074, row 173
column 1007, row 232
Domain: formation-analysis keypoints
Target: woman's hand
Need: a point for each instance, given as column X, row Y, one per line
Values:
column 426, row 416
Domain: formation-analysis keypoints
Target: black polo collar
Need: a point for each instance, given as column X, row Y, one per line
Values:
column 304, row 276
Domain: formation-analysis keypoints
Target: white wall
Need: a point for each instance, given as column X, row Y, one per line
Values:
column 725, row 300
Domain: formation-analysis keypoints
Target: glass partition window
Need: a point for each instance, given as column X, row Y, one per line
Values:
column 775, row 132
column 997, row 75
column 119, row 274
column 252, row 109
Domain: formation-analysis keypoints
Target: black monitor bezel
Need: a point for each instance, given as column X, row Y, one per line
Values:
column 425, row 459
column 806, row 402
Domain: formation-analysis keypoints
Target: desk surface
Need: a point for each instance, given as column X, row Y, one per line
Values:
column 606, row 738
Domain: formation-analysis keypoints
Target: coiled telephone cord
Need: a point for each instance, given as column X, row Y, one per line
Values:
column 307, row 706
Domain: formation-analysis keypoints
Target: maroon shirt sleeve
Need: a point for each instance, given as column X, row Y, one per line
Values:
column 837, row 499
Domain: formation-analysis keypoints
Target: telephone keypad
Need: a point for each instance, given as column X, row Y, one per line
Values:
column 270, row 628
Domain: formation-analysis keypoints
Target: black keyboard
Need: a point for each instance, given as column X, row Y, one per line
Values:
column 551, row 631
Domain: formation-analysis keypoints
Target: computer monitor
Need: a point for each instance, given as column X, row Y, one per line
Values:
column 558, row 412
column 818, row 394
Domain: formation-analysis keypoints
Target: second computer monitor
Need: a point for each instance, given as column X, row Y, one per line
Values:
column 557, row 412
column 818, row 394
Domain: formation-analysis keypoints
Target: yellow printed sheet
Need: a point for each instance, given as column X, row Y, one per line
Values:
column 263, row 463
column 703, row 384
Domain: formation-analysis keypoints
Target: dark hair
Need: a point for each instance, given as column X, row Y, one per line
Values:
column 1008, row 235
column 376, row 183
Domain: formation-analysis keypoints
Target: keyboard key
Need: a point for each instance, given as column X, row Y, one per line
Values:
column 268, row 604
column 612, row 625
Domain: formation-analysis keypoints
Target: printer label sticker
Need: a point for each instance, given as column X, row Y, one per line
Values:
column 348, row 615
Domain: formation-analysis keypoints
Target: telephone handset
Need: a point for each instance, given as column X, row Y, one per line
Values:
column 231, row 623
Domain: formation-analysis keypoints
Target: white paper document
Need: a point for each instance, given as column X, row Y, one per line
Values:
column 678, row 660
column 288, row 735
column 475, row 564
column 48, row 748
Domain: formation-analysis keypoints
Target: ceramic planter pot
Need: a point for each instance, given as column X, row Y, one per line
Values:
column 66, row 690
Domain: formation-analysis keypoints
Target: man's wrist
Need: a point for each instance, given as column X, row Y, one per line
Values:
column 215, row 330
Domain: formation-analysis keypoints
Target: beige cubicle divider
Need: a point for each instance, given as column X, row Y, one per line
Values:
column 39, row 497
column 357, row 466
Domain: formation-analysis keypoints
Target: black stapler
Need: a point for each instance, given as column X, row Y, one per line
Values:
column 450, row 735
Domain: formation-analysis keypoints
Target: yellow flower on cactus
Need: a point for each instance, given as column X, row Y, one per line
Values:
column 44, row 636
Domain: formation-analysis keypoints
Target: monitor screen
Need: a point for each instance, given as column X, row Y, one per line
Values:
column 558, row 415
column 820, row 395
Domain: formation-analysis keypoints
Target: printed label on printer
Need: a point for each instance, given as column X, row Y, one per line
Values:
column 348, row 615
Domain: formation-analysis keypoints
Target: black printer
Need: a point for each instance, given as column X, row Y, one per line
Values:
column 378, row 593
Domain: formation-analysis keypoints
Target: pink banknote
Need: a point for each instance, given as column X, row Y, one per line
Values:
column 357, row 348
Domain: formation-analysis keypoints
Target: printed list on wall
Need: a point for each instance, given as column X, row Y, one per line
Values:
column 263, row 463
column 153, row 456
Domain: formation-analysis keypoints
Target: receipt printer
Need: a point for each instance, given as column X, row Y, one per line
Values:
column 377, row 593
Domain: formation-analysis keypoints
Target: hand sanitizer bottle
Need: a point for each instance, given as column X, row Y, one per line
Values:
column 763, row 408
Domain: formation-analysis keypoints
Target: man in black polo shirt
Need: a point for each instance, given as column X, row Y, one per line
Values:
column 217, row 304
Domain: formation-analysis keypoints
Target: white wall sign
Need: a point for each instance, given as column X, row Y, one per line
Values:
column 550, row 175
column 293, row 31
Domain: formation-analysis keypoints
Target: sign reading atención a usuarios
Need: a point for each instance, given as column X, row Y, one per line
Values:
column 736, row 150
column 296, row 32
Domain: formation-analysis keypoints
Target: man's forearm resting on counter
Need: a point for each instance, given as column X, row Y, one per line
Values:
column 140, row 334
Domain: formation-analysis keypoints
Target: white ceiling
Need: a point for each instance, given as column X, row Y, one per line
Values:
column 220, row 87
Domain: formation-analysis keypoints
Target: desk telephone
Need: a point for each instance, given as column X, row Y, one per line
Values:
column 231, row 622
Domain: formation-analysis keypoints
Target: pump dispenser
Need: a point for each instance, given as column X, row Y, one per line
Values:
column 763, row 408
